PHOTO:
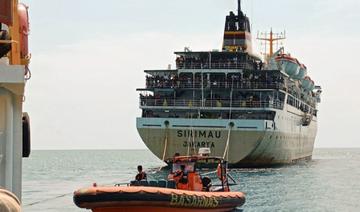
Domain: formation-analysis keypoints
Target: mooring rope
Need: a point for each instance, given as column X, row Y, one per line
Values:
column 166, row 144
column 193, row 141
column 48, row 199
column 60, row 196
column 231, row 124
column 166, row 140
column 188, row 147
column 226, row 151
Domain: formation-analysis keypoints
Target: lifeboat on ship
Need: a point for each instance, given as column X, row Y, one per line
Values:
column 203, row 190
column 308, row 84
column 302, row 72
column 289, row 64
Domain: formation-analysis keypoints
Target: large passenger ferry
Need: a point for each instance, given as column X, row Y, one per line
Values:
column 251, row 111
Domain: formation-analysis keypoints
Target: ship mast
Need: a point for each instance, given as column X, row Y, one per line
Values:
column 271, row 38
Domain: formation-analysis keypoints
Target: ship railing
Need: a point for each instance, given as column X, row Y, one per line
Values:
column 213, row 65
column 186, row 84
column 188, row 103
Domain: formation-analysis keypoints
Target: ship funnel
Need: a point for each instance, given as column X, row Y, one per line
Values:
column 237, row 33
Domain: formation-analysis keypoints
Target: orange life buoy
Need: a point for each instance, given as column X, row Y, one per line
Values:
column 24, row 29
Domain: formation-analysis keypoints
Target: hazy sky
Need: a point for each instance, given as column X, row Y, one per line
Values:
column 88, row 59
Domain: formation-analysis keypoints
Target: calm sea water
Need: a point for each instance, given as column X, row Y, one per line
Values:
column 331, row 182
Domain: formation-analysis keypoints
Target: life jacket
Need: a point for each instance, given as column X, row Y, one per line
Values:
column 182, row 186
column 181, row 179
column 184, row 178
column 195, row 183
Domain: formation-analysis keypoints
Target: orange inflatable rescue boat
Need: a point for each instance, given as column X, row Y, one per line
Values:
column 188, row 188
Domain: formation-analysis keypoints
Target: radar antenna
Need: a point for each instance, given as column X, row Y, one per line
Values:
column 239, row 7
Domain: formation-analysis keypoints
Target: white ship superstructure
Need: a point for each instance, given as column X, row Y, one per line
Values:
column 254, row 113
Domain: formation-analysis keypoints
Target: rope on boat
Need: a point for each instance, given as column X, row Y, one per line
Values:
column 57, row 197
column 231, row 124
column 226, row 151
column 166, row 143
column 188, row 147
column 48, row 199
column 193, row 140
column 27, row 73
column 191, row 121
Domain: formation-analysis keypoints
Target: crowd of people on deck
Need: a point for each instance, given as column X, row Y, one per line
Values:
column 238, row 100
column 164, row 81
column 245, row 80
column 218, row 63
column 242, row 80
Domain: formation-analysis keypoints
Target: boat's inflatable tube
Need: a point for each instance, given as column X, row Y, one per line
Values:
column 135, row 198
column 9, row 202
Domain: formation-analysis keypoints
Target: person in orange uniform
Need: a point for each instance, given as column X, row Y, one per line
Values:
column 181, row 178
